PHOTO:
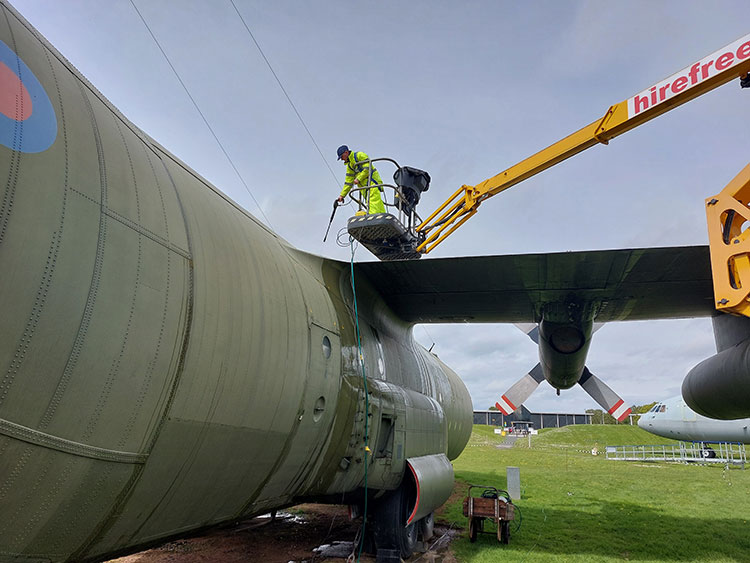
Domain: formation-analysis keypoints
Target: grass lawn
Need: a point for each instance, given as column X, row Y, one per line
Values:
column 578, row 507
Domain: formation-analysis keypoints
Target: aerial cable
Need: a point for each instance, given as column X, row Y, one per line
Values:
column 231, row 162
column 430, row 337
column 291, row 103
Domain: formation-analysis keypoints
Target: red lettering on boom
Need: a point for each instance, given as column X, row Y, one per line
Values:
column 694, row 73
column 679, row 84
column 724, row 61
column 698, row 72
column 663, row 92
column 640, row 104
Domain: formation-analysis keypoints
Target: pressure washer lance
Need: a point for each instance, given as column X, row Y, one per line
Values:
column 335, row 205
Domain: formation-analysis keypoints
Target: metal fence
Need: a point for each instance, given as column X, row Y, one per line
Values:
column 702, row 452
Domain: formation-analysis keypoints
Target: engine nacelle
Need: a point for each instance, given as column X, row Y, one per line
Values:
column 564, row 340
column 719, row 387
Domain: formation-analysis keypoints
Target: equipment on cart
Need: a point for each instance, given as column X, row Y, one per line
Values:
column 492, row 503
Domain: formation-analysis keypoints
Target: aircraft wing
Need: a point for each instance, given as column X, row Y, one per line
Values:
column 628, row 284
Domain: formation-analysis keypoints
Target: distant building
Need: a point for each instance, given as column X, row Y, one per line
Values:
column 537, row 420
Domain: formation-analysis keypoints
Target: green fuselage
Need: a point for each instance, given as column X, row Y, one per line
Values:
column 168, row 362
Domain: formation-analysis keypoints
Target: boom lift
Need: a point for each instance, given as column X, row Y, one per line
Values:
column 407, row 236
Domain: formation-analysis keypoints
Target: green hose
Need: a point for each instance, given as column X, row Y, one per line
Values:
column 367, row 400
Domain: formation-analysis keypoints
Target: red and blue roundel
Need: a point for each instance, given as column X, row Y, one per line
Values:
column 27, row 120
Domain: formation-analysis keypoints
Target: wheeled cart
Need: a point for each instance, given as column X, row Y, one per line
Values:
column 492, row 503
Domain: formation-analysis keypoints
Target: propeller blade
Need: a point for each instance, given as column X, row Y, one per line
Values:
column 602, row 394
column 530, row 329
column 520, row 391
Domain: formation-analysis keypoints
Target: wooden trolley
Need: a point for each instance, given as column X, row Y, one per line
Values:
column 493, row 503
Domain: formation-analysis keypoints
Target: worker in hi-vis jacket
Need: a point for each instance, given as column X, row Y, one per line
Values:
column 360, row 172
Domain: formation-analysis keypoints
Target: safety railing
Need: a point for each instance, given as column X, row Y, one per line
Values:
column 404, row 210
column 701, row 452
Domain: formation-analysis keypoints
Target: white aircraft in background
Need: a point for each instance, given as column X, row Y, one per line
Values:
column 674, row 419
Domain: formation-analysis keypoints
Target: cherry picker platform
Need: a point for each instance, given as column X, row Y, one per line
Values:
column 391, row 235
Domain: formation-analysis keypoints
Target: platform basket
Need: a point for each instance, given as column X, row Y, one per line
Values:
column 383, row 235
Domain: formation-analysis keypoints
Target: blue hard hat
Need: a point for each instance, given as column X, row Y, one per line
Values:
column 341, row 150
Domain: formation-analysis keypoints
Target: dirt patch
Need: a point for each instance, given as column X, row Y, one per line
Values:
column 459, row 493
column 291, row 537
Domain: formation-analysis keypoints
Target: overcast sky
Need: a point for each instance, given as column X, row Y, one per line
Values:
column 462, row 90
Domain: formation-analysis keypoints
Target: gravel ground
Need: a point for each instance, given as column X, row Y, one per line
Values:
column 291, row 538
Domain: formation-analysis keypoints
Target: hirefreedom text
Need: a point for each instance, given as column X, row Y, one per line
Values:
column 720, row 61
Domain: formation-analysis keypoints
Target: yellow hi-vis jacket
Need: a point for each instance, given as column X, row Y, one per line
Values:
column 361, row 173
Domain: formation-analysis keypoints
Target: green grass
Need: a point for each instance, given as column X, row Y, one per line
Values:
column 597, row 435
column 577, row 507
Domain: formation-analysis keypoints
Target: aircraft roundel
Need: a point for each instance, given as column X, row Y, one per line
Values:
column 27, row 119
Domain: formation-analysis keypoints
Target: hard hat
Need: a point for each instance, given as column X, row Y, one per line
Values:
column 341, row 150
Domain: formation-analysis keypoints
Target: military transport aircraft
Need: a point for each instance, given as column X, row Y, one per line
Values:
column 169, row 363
column 674, row 419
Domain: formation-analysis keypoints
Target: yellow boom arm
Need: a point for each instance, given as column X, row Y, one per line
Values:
column 714, row 70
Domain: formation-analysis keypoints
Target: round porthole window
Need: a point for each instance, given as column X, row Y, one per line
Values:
column 326, row 347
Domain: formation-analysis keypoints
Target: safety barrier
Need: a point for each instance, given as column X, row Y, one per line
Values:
column 700, row 452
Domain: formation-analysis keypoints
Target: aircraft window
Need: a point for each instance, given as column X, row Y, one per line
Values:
column 320, row 407
column 326, row 347
column 663, row 408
